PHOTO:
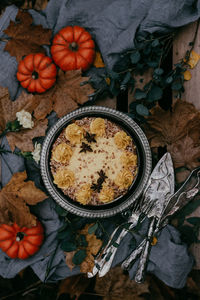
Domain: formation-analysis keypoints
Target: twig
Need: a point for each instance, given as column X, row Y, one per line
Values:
column 30, row 287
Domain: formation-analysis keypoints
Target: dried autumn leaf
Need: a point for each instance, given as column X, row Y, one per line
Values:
column 187, row 75
column 193, row 60
column 115, row 285
column 65, row 96
column 8, row 108
column 92, row 249
column 14, row 198
column 74, row 286
column 98, row 61
column 185, row 153
column 166, row 127
column 179, row 132
column 26, row 38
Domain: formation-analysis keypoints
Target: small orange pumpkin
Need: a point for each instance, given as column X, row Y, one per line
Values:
column 37, row 73
column 73, row 48
column 22, row 242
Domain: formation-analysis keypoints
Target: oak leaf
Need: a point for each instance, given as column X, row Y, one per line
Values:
column 178, row 131
column 116, row 285
column 166, row 127
column 23, row 138
column 65, row 96
column 185, row 153
column 26, row 38
column 14, row 198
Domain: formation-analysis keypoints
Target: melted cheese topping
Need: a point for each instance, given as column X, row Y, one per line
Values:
column 105, row 156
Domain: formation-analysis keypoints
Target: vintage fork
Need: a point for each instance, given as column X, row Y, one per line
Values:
column 102, row 266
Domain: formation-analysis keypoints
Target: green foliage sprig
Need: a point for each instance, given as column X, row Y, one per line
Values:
column 148, row 54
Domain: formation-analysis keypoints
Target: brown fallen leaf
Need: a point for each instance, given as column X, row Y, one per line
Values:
column 65, row 96
column 93, row 247
column 74, row 286
column 178, row 131
column 26, row 38
column 14, row 198
column 23, row 138
column 98, row 61
column 166, row 127
column 115, row 285
column 185, row 153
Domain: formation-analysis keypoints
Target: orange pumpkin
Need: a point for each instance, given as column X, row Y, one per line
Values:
column 22, row 242
column 37, row 73
column 73, row 48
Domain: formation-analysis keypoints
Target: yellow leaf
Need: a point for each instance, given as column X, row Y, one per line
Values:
column 187, row 75
column 98, row 62
column 154, row 241
column 193, row 60
column 108, row 80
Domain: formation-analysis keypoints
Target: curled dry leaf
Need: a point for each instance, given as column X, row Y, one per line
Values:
column 65, row 96
column 26, row 38
column 74, row 286
column 178, row 130
column 8, row 108
column 14, row 198
column 92, row 249
column 115, row 285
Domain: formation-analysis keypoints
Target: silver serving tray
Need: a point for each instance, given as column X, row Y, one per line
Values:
column 144, row 163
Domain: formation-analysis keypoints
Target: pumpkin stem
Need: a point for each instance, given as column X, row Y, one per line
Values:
column 19, row 236
column 35, row 75
column 73, row 46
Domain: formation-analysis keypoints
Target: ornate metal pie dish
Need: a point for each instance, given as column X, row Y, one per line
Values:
column 135, row 190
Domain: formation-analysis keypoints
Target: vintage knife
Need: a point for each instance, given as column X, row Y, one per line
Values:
column 163, row 171
column 182, row 197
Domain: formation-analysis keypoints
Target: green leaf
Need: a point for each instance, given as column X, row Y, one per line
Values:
column 155, row 43
column 92, row 228
column 108, row 256
column 139, row 94
column 194, row 221
column 158, row 71
column 61, row 211
column 68, row 246
column 169, row 80
column 188, row 209
column 66, row 234
column 152, row 64
column 142, row 110
column 82, row 241
column 126, row 79
column 155, row 94
column 79, row 257
column 116, row 245
column 135, row 57
column 176, row 86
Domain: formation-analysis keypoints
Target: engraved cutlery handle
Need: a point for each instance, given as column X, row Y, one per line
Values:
column 130, row 260
column 139, row 277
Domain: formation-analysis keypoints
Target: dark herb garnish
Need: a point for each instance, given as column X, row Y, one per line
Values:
column 90, row 137
column 98, row 186
column 85, row 147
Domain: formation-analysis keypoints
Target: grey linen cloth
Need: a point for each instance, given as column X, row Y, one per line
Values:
column 113, row 24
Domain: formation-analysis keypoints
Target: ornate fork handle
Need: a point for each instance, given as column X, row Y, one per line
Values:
column 106, row 265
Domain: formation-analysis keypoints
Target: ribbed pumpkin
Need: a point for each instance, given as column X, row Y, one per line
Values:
column 22, row 242
column 73, row 48
column 37, row 73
